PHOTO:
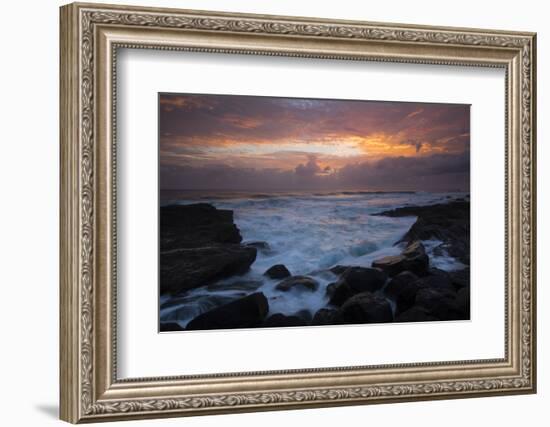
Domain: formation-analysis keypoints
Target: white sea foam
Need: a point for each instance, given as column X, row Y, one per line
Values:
column 310, row 233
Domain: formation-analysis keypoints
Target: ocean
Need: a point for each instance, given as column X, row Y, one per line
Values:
column 309, row 233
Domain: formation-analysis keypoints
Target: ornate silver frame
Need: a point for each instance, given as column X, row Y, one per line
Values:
column 90, row 36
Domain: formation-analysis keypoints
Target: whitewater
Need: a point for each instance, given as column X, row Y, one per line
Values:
column 309, row 233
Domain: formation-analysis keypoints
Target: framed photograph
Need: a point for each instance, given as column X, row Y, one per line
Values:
column 265, row 212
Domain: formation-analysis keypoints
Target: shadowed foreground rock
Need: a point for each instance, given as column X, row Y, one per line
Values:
column 432, row 297
column 280, row 320
column 326, row 316
column 363, row 279
column 170, row 327
column 415, row 314
column 247, row 312
column 402, row 290
column 199, row 244
column 184, row 269
column 439, row 302
column 365, row 308
column 354, row 280
column 460, row 278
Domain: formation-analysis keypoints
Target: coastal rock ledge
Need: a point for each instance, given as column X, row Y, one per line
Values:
column 246, row 312
column 199, row 244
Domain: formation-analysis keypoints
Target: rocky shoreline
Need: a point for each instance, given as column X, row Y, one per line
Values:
column 201, row 245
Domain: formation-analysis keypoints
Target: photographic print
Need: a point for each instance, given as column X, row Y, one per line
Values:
column 295, row 212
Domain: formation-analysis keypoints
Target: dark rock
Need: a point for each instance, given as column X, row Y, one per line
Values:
column 439, row 302
column 362, row 279
column 339, row 269
column 447, row 222
column 365, row 308
column 326, row 316
column 304, row 314
column 280, row 320
column 296, row 282
column 240, row 285
column 191, row 306
column 184, row 269
column 192, row 299
column 247, row 312
column 196, row 225
column 463, row 302
column 414, row 249
column 436, row 281
column 413, row 259
column 170, row 327
column 339, row 292
column 433, row 271
column 355, row 280
column 261, row 246
column 441, row 250
column 321, row 273
column 415, row 314
column 331, row 288
column 460, row 278
column 199, row 245
column 402, row 289
column 278, row 271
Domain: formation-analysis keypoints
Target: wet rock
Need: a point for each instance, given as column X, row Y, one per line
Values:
column 304, row 314
column 261, row 246
column 190, row 307
column 447, row 222
column 415, row 314
column 433, row 271
column 402, row 289
column 170, row 327
column 188, row 268
column 414, row 249
column 326, row 316
column 362, row 279
column 278, row 271
column 339, row 292
column 339, row 269
column 247, row 312
column 413, row 259
column 239, row 285
column 365, row 307
column 460, row 278
column 463, row 302
column 439, row 302
column 199, row 245
column 355, row 280
column 196, row 225
column 436, row 281
column 297, row 282
column 281, row 320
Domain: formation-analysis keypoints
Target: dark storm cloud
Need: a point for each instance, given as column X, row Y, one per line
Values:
column 310, row 168
column 439, row 172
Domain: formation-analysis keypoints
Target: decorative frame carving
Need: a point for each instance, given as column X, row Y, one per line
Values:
column 90, row 36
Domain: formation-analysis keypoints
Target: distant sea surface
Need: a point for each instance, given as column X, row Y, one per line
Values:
column 309, row 232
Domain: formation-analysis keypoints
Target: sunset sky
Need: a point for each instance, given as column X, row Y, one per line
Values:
column 230, row 142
